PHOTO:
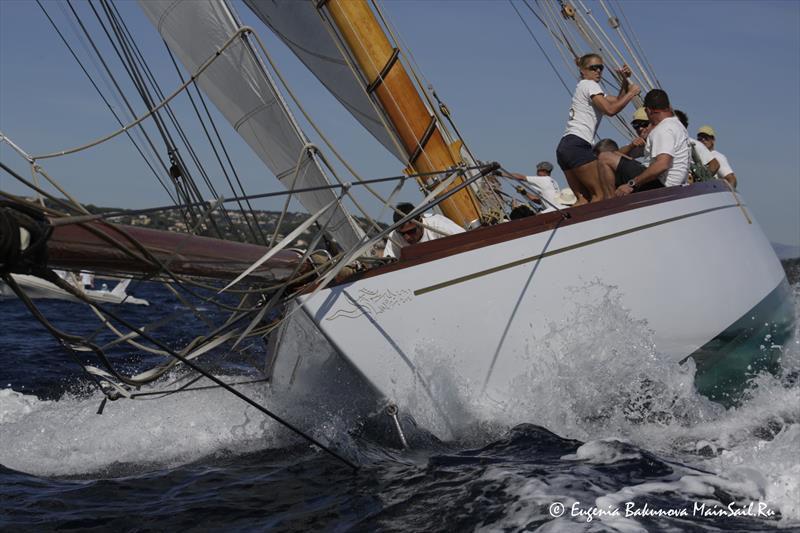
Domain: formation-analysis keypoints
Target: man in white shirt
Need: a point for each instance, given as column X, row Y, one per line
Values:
column 545, row 186
column 707, row 136
column 426, row 228
column 666, row 151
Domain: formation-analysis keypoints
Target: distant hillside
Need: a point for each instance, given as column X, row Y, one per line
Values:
column 233, row 225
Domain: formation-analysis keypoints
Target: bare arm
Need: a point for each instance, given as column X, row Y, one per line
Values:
column 611, row 105
column 713, row 166
column 634, row 149
column 731, row 178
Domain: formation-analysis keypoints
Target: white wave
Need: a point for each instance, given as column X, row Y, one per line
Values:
column 68, row 437
column 601, row 379
column 604, row 452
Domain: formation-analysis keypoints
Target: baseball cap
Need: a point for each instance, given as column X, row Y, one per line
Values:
column 708, row 130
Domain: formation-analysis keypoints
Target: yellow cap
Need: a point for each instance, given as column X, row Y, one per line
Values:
column 640, row 114
column 708, row 130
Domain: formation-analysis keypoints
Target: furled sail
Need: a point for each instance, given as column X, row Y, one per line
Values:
column 245, row 94
column 298, row 24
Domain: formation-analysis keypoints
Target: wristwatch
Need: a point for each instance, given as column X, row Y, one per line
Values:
column 632, row 183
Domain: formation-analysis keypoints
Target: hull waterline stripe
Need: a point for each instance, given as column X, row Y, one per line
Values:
column 525, row 260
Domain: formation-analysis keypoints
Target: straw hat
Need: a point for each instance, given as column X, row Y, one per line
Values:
column 640, row 114
column 567, row 197
column 708, row 130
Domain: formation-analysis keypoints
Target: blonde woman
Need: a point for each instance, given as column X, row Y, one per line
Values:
column 589, row 104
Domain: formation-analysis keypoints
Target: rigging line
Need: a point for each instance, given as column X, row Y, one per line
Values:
column 419, row 147
column 149, row 155
column 39, row 170
column 360, row 82
column 250, row 208
column 274, row 299
column 184, row 388
column 563, row 46
column 541, row 49
column 601, row 44
column 364, row 183
column 156, row 119
column 638, row 45
column 251, row 226
column 367, row 243
column 617, row 61
column 645, row 77
column 553, row 15
column 135, row 78
column 247, row 45
column 35, row 171
column 413, row 67
column 57, row 333
column 125, row 49
column 214, row 379
column 317, row 129
column 110, row 75
column 132, row 50
column 146, row 257
column 599, row 38
column 181, row 281
column 303, row 153
column 138, row 120
column 138, row 81
column 105, row 100
column 59, row 201
column 24, row 201
column 352, row 198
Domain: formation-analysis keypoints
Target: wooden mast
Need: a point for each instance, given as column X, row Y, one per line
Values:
column 418, row 130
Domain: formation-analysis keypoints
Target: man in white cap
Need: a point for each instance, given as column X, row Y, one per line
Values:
column 547, row 190
column 707, row 136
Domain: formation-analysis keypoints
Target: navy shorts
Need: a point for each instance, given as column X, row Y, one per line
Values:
column 627, row 169
column 573, row 152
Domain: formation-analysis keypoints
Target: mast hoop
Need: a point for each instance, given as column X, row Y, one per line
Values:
column 423, row 141
column 374, row 84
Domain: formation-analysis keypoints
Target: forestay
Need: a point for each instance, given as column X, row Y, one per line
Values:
column 243, row 91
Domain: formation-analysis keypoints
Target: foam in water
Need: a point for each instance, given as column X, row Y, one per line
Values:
column 601, row 379
column 68, row 437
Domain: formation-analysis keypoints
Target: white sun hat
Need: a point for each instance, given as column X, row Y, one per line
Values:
column 567, row 197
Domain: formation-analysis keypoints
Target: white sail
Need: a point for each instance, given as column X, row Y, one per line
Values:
column 245, row 94
column 298, row 24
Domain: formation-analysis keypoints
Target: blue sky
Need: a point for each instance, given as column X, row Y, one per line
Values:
column 732, row 64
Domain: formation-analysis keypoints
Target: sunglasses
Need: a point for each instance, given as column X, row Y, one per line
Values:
column 638, row 124
column 596, row 68
column 704, row 137
column 411, row 231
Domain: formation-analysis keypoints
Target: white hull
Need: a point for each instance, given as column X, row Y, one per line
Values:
column 38, row 288
column 689, row 267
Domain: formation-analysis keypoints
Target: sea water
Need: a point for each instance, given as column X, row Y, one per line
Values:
column 616, row 439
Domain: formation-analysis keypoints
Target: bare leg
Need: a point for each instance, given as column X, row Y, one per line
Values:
column 607, row 163
column 581, row 193
column 588, row 177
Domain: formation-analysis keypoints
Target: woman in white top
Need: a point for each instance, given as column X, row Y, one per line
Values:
column 589, row 104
